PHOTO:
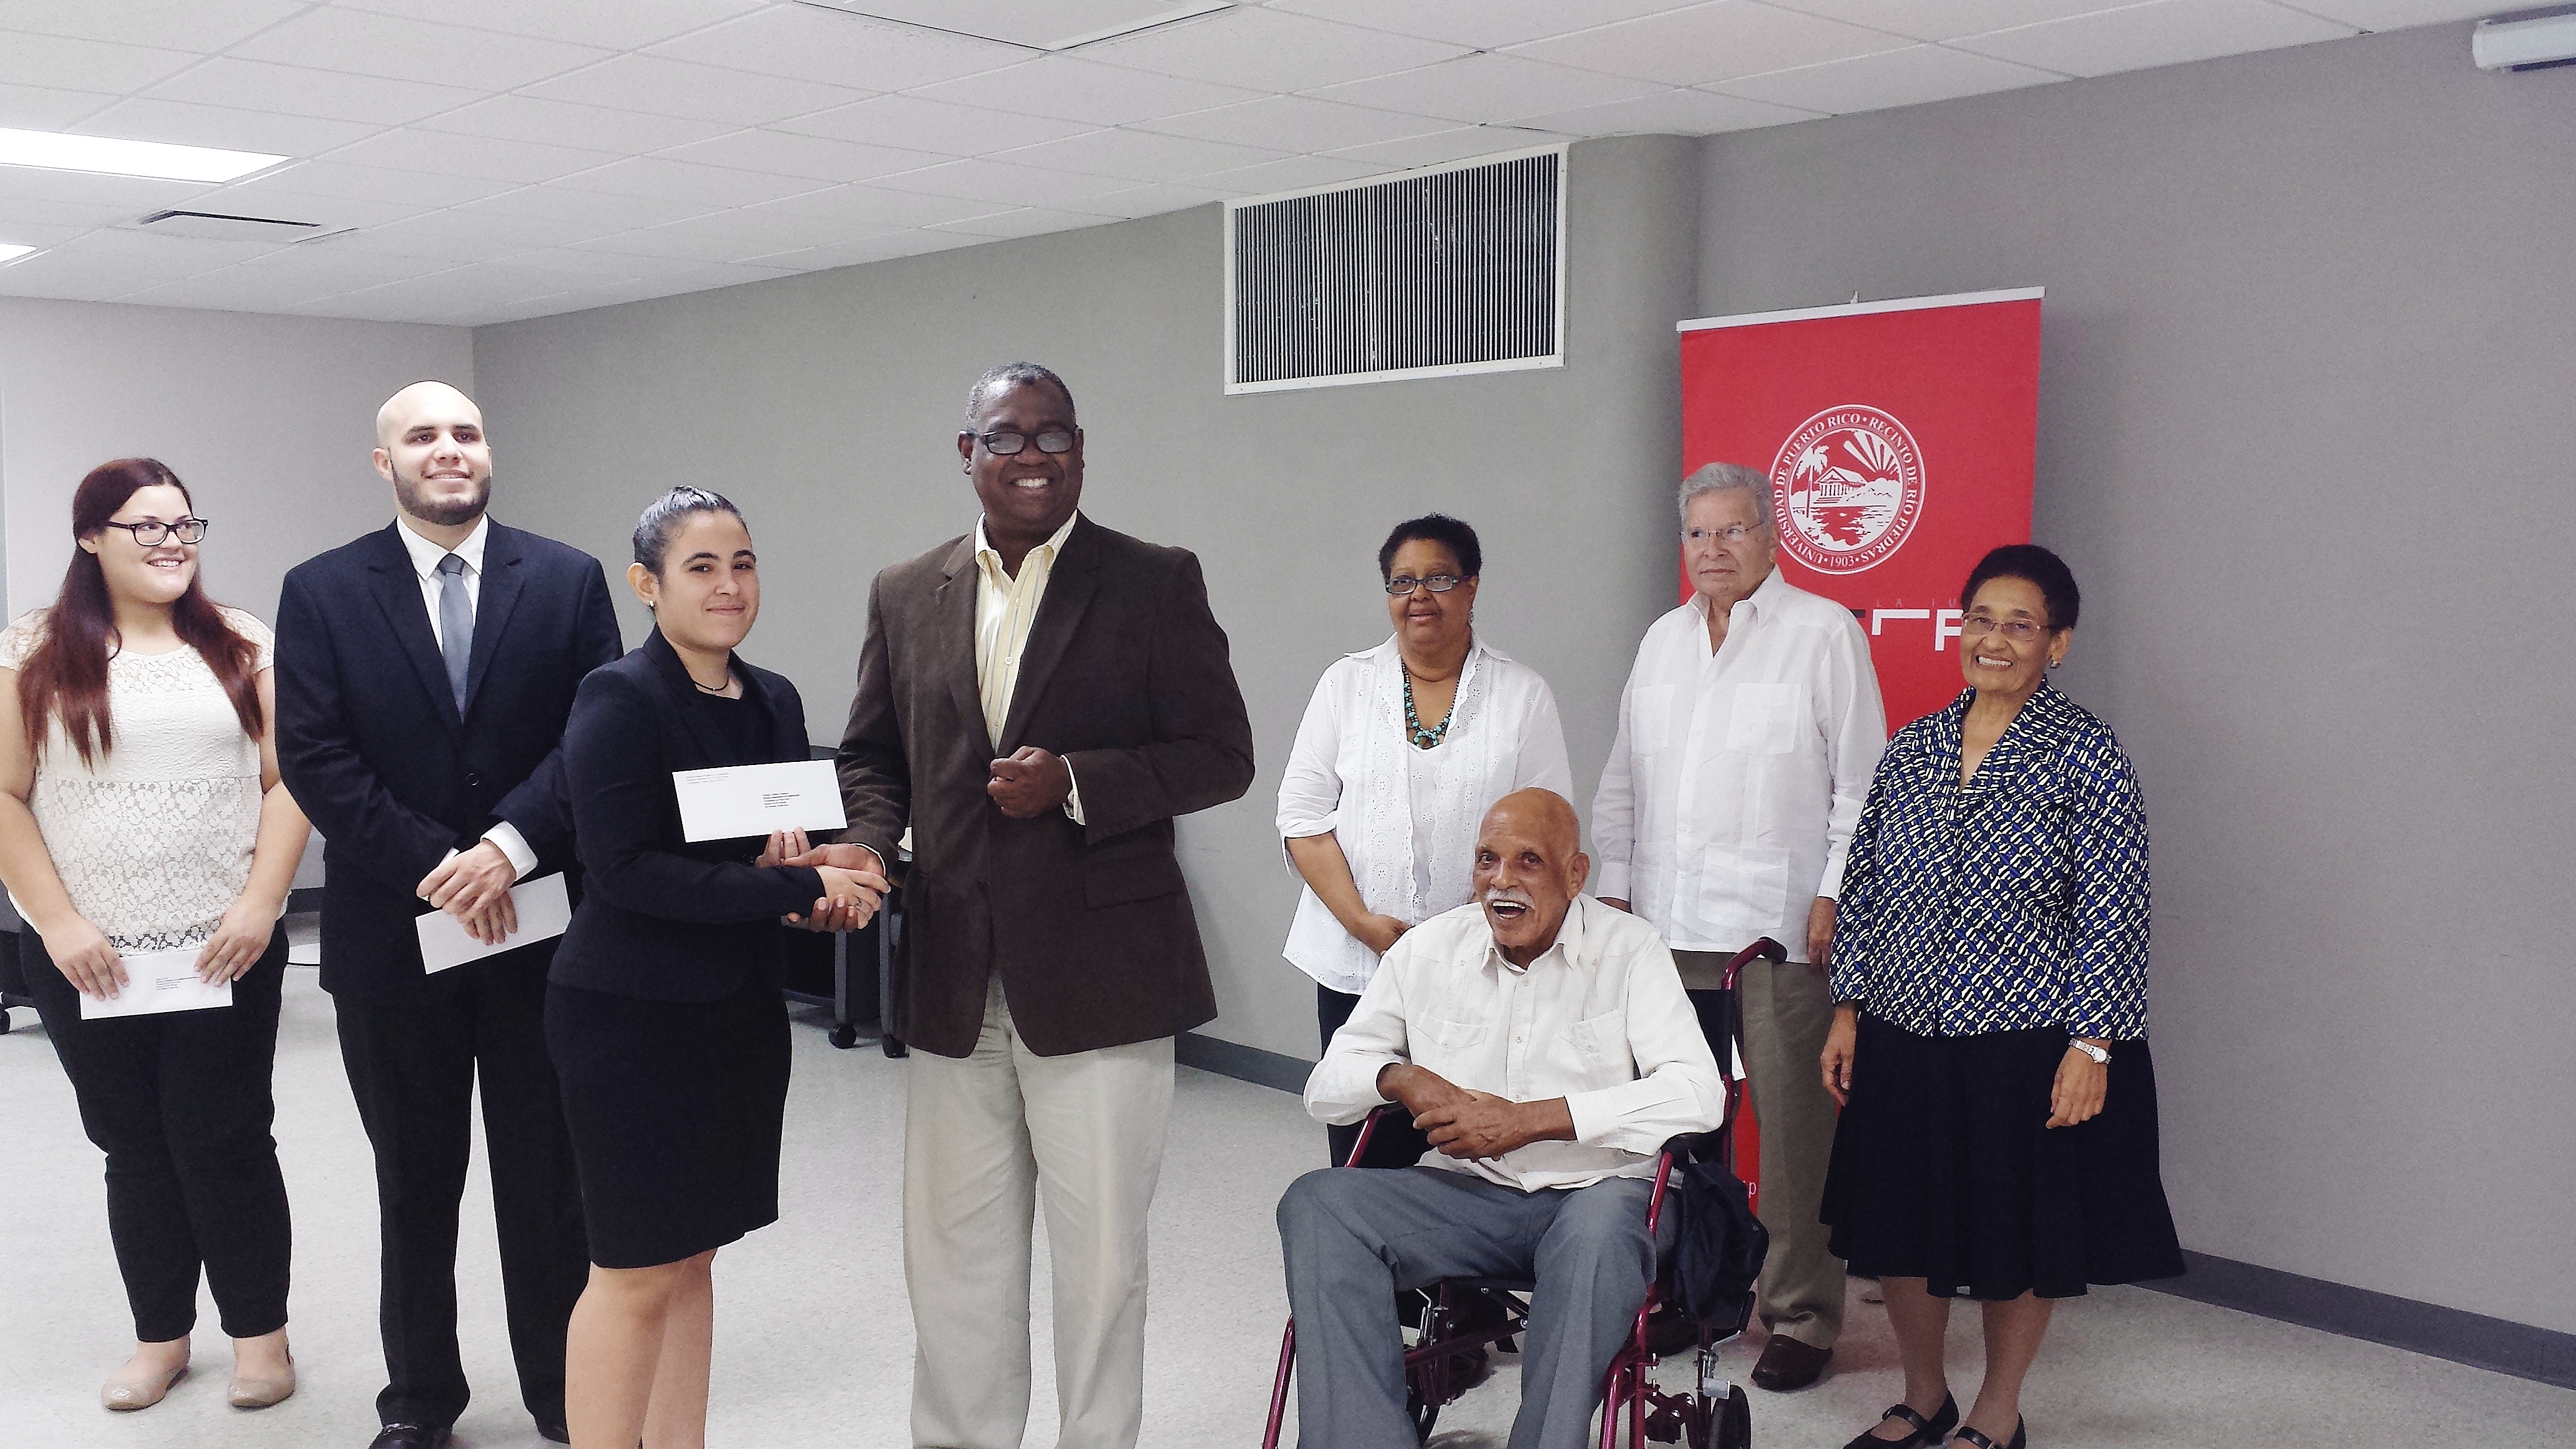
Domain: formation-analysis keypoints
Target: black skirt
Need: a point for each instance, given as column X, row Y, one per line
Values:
column 675, row 1111
column 1944, row 1168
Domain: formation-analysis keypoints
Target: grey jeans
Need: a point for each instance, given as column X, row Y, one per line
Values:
column 1352, row 1237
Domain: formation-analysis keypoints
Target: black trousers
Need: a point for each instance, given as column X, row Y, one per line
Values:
column 181, row 1105
column 413, row 1066
column 1396, row 1142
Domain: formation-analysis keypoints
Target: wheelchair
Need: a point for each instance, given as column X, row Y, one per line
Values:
column 1464, row 1315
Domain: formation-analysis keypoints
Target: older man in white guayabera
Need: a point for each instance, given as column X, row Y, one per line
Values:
column 1747, row 736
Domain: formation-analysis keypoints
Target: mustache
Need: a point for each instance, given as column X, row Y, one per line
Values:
column 1513, row 895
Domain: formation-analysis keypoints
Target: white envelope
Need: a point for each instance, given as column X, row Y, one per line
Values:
column 157, row 981
column 544, row 910
column 733, row 801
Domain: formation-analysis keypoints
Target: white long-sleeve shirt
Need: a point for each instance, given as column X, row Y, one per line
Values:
column 1599, row 1019
column 425, row 558
column 1729, row 799
column 1406, row 818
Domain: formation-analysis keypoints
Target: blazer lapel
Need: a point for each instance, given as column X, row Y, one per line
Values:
column 397, row 591
column 1070, row 586
column 493, row 603
column 955, row 635
column 680, row 693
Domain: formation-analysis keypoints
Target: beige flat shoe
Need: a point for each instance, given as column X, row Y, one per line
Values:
column 260, row 1393
column 124, row 1396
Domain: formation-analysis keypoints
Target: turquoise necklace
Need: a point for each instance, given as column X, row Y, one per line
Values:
column 1424, row 739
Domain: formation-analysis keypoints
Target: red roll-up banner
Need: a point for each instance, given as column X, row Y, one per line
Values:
column 1900, row 439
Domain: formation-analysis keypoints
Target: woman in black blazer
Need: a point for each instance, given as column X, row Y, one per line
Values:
column 663, row 1011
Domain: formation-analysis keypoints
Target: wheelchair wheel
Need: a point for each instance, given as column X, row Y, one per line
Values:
column 1734, row 1421
column 1422, row 1413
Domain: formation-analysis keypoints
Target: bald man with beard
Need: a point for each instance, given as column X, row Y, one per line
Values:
column 424, row 673
column 1544, row 1043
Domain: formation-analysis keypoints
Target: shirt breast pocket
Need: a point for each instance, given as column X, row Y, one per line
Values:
column 1650, row 719
column 1765, row 718
column 1600, row 1050
column 1451, row 1039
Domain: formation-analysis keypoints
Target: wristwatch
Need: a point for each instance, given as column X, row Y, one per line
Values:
column 2101, row 1055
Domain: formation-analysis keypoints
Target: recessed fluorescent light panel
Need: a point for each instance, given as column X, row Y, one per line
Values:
column 10, row 252
column 59, row 152
column 1037, row 24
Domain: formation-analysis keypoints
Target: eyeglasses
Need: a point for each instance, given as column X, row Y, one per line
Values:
column 2020, row 631
column 152, row 532
column 1007, row 444
column 1403, row 584
column 1732, row 533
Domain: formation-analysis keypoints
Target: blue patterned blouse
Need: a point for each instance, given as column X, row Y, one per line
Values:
column 2016, row 900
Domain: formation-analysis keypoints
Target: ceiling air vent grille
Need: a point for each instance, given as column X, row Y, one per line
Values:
column 1432, row 274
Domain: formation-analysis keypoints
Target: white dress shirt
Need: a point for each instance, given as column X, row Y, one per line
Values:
column 1729, row 799
column 425, row 557
column 1599, row 1019
column 1006, row 604
column 1406, row 818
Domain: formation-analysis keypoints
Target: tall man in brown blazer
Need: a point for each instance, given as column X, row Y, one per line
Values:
column 1038, row 700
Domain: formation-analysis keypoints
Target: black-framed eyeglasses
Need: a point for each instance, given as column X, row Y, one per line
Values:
column 1005, row 443
column 1403, row 584
column 152, row 532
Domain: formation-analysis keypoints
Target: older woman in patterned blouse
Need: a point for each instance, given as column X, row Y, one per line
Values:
column 1998, row 1133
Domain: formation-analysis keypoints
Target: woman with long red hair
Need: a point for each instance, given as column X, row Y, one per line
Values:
column 140, row 812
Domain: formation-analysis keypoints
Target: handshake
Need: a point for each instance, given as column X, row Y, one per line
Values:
column 474, row 885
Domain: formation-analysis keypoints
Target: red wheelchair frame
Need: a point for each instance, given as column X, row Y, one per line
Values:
column 1720, row 1420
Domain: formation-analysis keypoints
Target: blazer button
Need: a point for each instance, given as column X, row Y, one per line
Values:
column 473, row 779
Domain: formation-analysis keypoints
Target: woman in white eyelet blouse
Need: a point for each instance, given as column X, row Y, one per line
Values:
column 1403, row 749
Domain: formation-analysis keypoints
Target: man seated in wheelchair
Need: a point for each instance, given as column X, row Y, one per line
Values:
column 1543, row 1042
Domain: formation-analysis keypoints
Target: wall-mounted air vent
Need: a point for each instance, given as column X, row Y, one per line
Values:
column 1431, row 274
column 220, row 226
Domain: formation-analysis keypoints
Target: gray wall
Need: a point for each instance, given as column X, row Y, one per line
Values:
column 2310, row 358
column 828, row 406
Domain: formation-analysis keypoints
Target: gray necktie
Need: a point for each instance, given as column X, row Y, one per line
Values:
column 455, row 624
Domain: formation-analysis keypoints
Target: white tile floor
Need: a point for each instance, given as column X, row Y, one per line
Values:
column 814, row 1342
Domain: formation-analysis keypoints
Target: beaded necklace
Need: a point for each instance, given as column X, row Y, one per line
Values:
column 1424, row 739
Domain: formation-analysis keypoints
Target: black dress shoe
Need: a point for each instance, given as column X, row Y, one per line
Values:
column 411, row 1436
column 1787, row 1364
column 1927, row 1432
column 554, row 1430
column 2020, row 1438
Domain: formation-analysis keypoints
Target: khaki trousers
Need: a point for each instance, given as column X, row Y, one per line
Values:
column 1787, row 1012
column 985, row 1138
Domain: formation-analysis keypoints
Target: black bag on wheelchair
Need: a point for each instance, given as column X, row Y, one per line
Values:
column 1719, row 1252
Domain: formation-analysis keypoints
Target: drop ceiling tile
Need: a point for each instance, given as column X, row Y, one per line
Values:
column 189, row 124
column 1025, row 221
column 1888, row 79
column 1135, row 201
column 805, row 43
column 329, row 213
column 237, row 289
column 1078, row 90
column 1709, row 43
column 555, row 203
column 660, row 87
column 84, row 65
column 17, row 231
column 2162, row 32
column 81, row 188
column 441, row 292
column 561, row 123
column 73, row 279
column 194, row 25
column 1442, row 147
column 776, row 230
column 1484, row 24
column 2402, row 14
column 1296, row 123
column 1271, row 50
column 602, row 266
column 419, row 190
column 1673, row 113
column 161, row 252
column 998, row 182
column 1139, row 155
column 683, row 181
column 877, row 206
column 331, row 38
column 784, row 153
column 1947, row 19
column 919, row 125
column 1489, row 87
column 301, row 91
column 463, row 236
column 880, row 249
column 118, row 272
column 1294, row 174
column 60, row 213
column 343, row 267
column 447, row 153
column 617, row 24
column 43, row 108
column 689, row 246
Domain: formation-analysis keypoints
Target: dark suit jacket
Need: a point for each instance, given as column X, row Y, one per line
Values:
column 371, row 744
column 1126, row 676
column 662, row 919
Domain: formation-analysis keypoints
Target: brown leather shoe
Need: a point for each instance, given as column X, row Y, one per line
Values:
column 1786, row 1365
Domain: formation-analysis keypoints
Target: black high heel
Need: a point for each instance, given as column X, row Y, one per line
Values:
column 1927, row 1432
column 2020, row 1438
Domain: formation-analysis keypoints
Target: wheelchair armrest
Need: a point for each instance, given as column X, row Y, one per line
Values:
column 1368, row 1129
column 1692, row 1144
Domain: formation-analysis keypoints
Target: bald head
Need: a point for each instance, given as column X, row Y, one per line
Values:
column 431, row 398
column 430, row 446
column 1529, row 868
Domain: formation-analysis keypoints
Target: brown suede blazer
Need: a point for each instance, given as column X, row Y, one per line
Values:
column 1126, row 676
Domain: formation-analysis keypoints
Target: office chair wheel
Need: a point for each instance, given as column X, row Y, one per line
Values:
column 843, row 1036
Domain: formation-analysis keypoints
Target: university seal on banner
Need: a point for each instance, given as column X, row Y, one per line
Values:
column 1848, row 487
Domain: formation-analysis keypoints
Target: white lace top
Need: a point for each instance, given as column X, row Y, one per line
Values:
column 1406, row 818
column 152, row 839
